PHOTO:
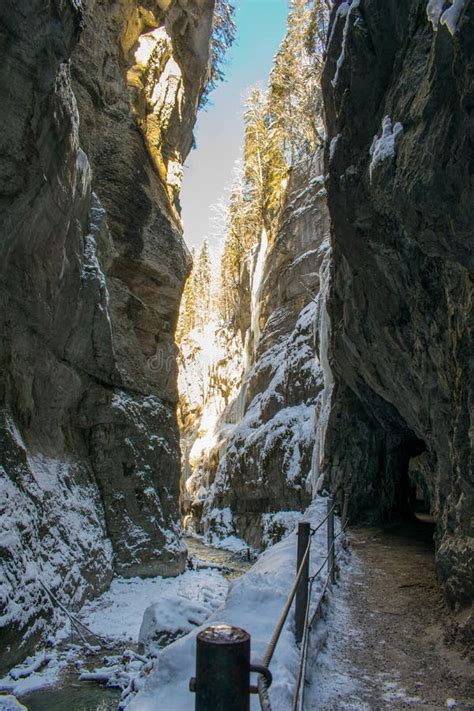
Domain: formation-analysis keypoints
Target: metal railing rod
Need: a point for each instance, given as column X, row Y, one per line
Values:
column 330, row 537
column 267, row 657
column 265, row 704
column 301, row 598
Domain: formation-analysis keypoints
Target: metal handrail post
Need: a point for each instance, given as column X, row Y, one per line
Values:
column 301, row 603
column 331, row 557
column 222, row 680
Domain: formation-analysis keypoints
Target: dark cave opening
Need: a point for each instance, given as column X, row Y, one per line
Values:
column 411, row 514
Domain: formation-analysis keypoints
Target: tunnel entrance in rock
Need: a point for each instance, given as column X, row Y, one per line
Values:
column 411, row 516
column 411, row 499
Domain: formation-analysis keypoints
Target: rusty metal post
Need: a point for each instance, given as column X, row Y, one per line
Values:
column 301, row 601
column 222, row 681
column 331, row 551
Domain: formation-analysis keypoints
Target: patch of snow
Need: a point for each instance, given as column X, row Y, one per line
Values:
column 27, row 669
column 207, row 438
column 220, row 531
column 117, row 614
column 10, row 703
column 383, row 147
column 147, row 43
column 171, row 617
column 228, row 543
column 450, row 17
column 278, row 525
column 451, row 703
column 433, row 12
column 345, row 9
column 393, row 693
column 333, row 146
column 22, row 680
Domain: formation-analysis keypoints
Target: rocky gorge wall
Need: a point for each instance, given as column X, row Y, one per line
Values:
column 399, row 98
column 251, row 471
column 98, row 105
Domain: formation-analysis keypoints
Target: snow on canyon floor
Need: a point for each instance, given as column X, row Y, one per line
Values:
column 191, row 601
column 184, row 603
column 380, row 647
column 254, row 602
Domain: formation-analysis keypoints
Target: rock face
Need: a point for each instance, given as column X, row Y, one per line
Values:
column 399, row 98
column 98, row 105
column 257, row 461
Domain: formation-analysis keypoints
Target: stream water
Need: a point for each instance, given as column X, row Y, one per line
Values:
column 71, row 694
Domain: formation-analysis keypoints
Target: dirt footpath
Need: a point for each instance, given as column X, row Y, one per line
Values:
column 384, row 647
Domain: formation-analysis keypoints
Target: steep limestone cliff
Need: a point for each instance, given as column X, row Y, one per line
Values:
column 256, row 461
column 92, row 267
column 399, row 96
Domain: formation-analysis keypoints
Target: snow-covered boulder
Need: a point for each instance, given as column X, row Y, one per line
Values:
column 10, row 703
column 167, row 620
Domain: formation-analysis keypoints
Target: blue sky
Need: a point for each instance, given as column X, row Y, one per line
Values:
column 219, row 131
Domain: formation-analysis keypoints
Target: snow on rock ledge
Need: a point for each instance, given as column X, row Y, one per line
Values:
column 438, row 15
column 383, row 147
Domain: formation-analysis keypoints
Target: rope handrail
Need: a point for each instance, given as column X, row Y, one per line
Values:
column 308, row 627
column 262, row 683
column 321, row 523
column 267, row 657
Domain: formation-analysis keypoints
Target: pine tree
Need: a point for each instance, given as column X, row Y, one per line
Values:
column 295, row 97
column 203, row 283
column 282, row 127
column 223, row 36
column 187, row 311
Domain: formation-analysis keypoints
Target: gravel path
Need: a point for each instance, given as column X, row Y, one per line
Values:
column 384, row 647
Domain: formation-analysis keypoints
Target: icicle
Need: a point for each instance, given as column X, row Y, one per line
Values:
column 257, row 277
column 324, row 327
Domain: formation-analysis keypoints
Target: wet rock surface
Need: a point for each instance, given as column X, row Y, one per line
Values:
column 97, row 120
column 399, row 97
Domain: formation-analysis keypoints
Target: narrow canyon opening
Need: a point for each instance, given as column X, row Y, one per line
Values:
column 247, row 425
